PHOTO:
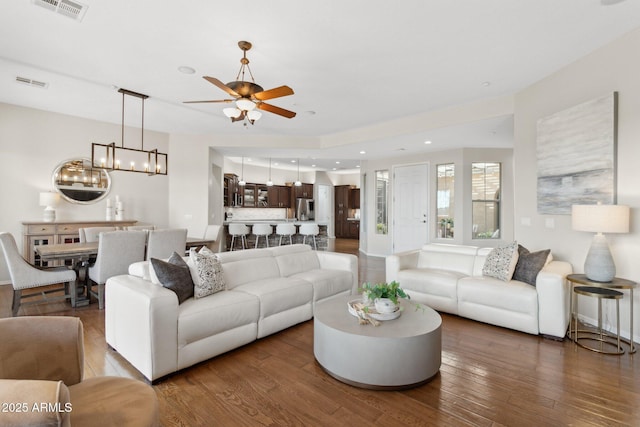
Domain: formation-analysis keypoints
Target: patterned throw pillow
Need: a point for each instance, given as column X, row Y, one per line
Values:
column 501, row 262
column 174, row 274
column 529, row 264
column 210, row 278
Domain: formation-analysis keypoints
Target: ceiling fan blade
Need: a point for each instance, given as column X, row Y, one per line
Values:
column 216, row 100
column 273, row 93
column 221, row 85
column 276, row 110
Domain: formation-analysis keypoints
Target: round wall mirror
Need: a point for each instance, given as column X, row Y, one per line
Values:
column 78, row 182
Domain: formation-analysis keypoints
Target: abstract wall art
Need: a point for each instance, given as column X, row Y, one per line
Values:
column 576, row 153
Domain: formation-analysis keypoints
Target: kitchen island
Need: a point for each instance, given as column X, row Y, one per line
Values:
column 321, row 238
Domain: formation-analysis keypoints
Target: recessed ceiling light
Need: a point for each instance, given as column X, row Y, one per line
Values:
column 486, row 84
column 337, row 162
column 275, row 164
column 335, row 169
column 313, row 166
column 363, row 152
column 310, row 112
column 186, row 70
column 357, row 166
column 293, row 161
column 427, row 142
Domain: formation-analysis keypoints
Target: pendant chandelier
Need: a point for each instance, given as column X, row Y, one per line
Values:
column 114, row 158
column 298, row 183
column 269, row 182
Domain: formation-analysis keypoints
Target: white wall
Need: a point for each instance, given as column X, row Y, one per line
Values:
column 615, row 67
column 34, row 142
column 381, row 244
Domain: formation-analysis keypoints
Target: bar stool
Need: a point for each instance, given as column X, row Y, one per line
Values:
column 599, row 335
column 262, row 230
column 284, row 230
column 238, row 230
column 310, row 230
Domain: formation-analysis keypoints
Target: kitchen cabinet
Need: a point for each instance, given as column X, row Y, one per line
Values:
column 354, row 229
column 304, row 191
column 230, row 189
column 249, row 195
column 341, row 208
column 355, row 198
column 279, row 196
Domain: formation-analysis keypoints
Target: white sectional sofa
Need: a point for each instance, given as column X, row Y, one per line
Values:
column 267, row 290
column 449, row 278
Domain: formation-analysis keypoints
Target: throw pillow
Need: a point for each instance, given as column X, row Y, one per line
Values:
column 174, row 274
column 529, row 264
column 501, row 262
column 210, row 278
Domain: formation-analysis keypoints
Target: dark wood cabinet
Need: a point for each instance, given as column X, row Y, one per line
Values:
column 354, row 229
column 279, row 196
column 230, row 189
column 342, row 206
column 355, row 198
column 304, row 191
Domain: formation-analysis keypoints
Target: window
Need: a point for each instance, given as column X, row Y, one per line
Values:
column 445, row 200
column 485, row 196
column 382, row 195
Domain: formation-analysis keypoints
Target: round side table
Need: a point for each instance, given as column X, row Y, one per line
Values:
column 616, row 284
column 599, row 335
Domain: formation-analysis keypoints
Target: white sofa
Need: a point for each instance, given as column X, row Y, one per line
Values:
column 449, row 278
column 267, row 290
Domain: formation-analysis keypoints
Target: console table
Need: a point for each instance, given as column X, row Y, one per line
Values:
column 49, row 233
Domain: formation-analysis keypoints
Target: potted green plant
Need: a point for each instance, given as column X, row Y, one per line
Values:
column 384, row 295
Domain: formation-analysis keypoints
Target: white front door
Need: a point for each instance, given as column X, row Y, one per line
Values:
column 410, row 207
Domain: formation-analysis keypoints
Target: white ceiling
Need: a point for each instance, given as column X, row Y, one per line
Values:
column 352, row 64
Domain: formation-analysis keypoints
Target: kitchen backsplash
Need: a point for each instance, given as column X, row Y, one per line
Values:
column 257, row 213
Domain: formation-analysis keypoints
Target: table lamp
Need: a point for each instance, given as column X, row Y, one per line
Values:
column 49, row 199
column 599, row 219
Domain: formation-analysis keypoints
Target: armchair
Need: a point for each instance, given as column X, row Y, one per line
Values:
column 42, row 368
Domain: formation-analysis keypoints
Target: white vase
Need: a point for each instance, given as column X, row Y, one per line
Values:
column 385, row 305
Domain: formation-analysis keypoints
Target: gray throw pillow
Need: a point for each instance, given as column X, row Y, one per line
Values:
column 529, row 265
column 175, row 275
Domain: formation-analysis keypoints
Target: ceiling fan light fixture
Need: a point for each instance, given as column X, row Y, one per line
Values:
column 254, row 115
column 245, row 104
column 232, row 112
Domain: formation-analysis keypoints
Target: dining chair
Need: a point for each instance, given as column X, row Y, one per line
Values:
column 162, row 243
column 43, row 366
column 90, row 234
column 25, row 276
column 116, row 251
column 212, row 232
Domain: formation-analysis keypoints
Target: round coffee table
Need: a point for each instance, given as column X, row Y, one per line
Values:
column 398, row 354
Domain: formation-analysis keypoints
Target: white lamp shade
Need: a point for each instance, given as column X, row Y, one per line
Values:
column 49, row 198
column 600, row 218
column 231, row 112
column 254, row 115
column 245, row 104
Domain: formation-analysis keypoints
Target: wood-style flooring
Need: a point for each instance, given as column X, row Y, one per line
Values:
column 489, row 376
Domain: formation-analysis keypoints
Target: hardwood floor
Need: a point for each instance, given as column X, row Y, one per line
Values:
column 489, row 376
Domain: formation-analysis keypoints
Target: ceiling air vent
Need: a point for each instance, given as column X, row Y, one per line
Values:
column 68, row 8
column 30, row 82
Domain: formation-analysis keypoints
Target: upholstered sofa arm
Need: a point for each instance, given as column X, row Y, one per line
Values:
column 400, row 261
column 141, row 323
column 42, row 347
column 553, row 298
column 34, row 403
column 340, row 261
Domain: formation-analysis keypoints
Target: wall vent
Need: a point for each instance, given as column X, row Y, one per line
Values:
column 68, row 8
column 31, row 82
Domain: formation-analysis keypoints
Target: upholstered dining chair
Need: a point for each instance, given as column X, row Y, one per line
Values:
column 116, row 251
column 91, row 234
column 25, row 276
column 142, row 227
column 212, row 232
column 162, row 243
column 43, row 364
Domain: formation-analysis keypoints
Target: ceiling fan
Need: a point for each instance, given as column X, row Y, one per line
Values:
column 248, row 96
